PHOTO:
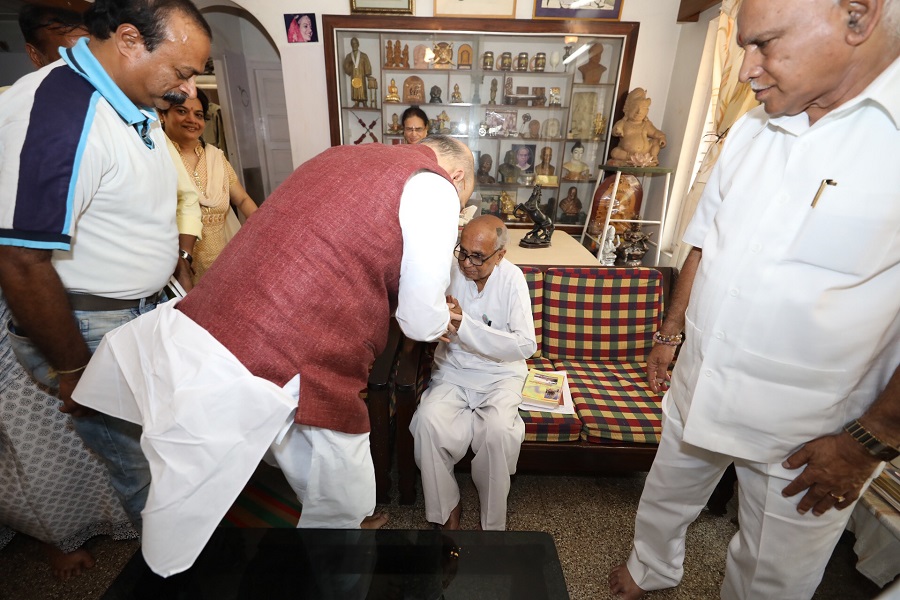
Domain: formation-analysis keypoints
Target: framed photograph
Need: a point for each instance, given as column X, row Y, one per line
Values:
column 524, row 154
column 596, row 10
column 498, row 9
column 301, row 27
column 381, row 7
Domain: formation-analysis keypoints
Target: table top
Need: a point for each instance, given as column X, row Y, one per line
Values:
column 564, row 251
column 357, row 564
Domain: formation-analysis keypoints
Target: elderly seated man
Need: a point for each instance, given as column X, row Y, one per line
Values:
column 476, row 387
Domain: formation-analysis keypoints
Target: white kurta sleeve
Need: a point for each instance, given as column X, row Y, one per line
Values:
column 429, row 219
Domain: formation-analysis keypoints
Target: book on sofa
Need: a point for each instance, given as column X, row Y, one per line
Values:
column 547, row 391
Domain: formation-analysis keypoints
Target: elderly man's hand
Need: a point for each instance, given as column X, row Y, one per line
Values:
column 837, row 467
column 658, row 361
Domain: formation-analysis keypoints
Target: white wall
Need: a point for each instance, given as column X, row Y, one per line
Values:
column 303, row 65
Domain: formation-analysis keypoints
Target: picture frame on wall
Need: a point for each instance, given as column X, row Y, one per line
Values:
column 596, row 10
column 381, row 7
column 495, row 9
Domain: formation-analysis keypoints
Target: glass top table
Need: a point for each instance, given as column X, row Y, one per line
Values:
column 272, row 564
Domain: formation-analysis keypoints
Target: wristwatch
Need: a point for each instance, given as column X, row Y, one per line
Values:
column 186, row 256
column 872, row 444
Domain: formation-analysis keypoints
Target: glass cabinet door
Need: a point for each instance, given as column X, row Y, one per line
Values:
column 533, row 100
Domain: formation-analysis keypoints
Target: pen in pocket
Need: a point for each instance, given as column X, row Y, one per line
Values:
column 825, row 182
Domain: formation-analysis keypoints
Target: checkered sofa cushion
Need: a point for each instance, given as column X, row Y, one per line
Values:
column 613, row 401
column 600, row 314
column 549, row 427
column 535, row 279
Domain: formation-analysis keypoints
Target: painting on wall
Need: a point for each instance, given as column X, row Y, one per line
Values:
column 498, row 9
column 301, row 27
column 381, row 7
column 595, row 10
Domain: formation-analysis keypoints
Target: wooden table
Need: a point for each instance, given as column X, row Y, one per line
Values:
column 564, row 251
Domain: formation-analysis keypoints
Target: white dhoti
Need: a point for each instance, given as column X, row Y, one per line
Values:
column 207, row 421
column 777, row 553
column 451, row 418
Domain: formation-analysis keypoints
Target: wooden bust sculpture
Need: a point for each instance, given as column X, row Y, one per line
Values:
column 639, row 141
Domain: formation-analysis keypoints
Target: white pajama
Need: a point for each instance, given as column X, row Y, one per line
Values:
column 451, row 418
column 331, row 473
column 777, row 553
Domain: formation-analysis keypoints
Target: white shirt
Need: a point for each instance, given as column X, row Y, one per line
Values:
column 793, row 326
column 496, row 334
column 429, row 217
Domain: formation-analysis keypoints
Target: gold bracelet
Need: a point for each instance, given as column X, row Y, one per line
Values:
column 70, row 371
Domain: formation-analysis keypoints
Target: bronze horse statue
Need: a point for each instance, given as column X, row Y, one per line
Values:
column 540, row 234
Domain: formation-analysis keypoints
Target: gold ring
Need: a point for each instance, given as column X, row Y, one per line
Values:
column 836, row 497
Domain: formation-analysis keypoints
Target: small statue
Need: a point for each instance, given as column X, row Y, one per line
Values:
column 540, row 234
column 508, row 171
column 592, row 70
column 444, row 120
column 575, row 169
column 493, row 91
column 485, row 164
column 389, row 55
column 393, row 94
column 639, row 141
column 395, row 126
column 608, row 251
column 570, row 207
column 404, row 57
column 435, row 95
column 456, row 96
column 357, row 66
column 544, row 167
column 507, row 206
column 634, row 245
column 372, row 84
column 599, row 125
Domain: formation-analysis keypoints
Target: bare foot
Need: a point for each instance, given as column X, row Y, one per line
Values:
column 374, row 521
column 453, row 522
column 622, row 585
column 66, row 565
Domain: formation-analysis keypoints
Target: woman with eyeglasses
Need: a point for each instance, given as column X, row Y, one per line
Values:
column 212, row 176
column 415, row 125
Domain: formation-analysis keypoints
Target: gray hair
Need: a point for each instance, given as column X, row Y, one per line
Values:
column 454, row 150
column 502, row 237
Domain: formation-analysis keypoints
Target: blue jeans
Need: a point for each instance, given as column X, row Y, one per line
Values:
column 117, row 442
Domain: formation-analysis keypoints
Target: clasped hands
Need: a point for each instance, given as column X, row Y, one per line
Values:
column 456, row 316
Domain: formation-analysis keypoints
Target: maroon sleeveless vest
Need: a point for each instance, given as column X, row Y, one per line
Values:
column 310, row 281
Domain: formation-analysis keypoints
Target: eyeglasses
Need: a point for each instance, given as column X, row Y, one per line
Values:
column 476, row 260
column 413, row 129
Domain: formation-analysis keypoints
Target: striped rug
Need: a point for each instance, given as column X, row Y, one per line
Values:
column 262, row 505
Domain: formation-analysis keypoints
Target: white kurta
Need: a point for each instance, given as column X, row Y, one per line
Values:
column 474, row 396
column 792, row 330
column 793, row 327
column 207, row 423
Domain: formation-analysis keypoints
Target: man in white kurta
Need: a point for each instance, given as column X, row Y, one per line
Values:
column 792, row 335
column 476, row 387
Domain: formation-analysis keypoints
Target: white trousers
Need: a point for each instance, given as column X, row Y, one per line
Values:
column 448, row 420
column 777, row 553
column 331, row 473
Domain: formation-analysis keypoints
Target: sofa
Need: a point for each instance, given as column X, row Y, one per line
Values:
column 595, row 323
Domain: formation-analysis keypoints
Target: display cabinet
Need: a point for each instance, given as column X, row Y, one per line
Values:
column 534, row 100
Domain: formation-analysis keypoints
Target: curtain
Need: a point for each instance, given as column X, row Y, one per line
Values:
column 731, row 102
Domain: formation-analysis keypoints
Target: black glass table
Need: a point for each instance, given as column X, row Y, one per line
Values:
column 271, row 564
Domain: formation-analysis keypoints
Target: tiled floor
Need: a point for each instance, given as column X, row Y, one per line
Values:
column 591, row 519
